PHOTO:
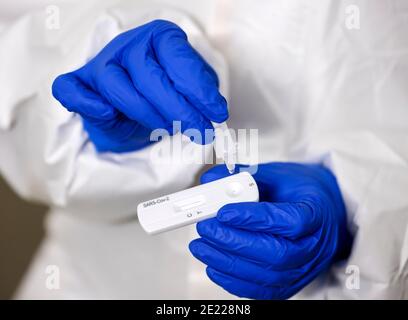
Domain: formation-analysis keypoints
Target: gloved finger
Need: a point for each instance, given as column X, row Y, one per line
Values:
column 151, row 80
column 218, row 172
column 242, row 288
column 214, row 173
column 240, row 268
column 115, row 86
column 191, row 74
column 290, row 220
column 278, row 252
column 75, row 96
column 118, row 134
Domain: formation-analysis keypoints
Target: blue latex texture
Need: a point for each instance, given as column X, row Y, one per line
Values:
column 274, row 248
column 143, row 80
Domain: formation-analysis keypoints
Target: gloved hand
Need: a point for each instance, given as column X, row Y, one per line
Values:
column 144, row 79
column 272, row 249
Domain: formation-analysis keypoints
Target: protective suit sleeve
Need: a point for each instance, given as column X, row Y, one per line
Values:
column 45, row 153
column 360, row 131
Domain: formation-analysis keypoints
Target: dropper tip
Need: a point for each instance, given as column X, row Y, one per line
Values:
column 231, row 168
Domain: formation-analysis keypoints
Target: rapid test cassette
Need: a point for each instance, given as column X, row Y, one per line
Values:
column 195, row 204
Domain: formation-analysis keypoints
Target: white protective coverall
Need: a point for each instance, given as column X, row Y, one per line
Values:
column 316, row 90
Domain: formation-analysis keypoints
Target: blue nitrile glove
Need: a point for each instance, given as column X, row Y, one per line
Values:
column 144, row 79
column 272, row 249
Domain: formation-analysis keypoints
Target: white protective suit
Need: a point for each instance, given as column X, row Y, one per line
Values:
column 315, row 89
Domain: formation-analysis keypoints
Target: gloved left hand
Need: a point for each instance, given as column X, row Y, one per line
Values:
column 272, row 249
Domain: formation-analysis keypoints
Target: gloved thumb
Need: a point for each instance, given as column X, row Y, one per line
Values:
column 215, row 173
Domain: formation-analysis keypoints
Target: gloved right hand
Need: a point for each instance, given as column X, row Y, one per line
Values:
column 144, row 79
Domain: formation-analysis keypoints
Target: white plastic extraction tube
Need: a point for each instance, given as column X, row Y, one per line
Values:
column 225, row 145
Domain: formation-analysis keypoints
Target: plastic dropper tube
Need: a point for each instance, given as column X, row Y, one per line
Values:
column 225, row 145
